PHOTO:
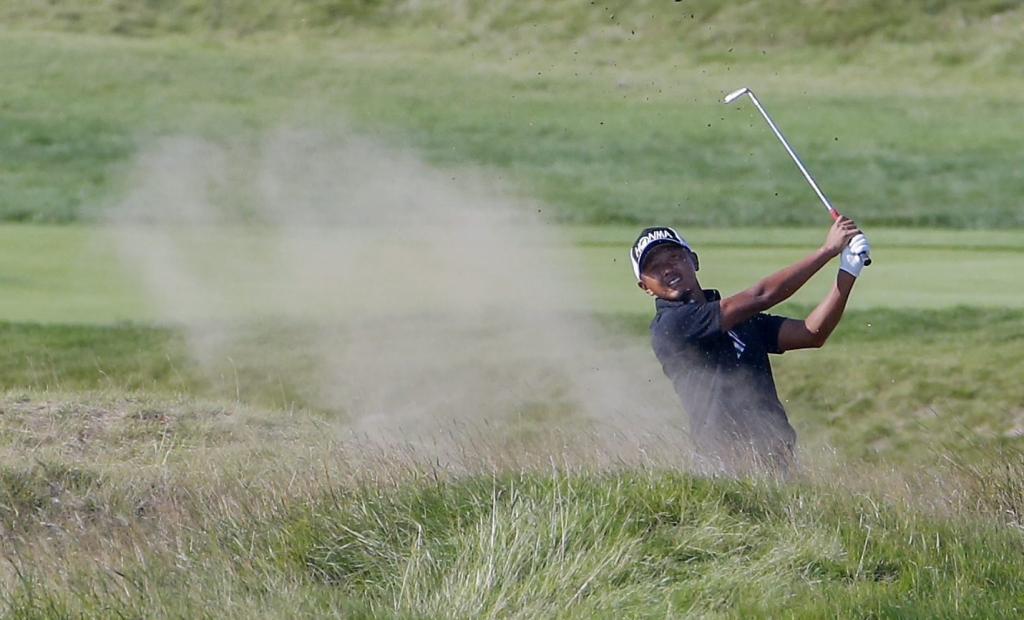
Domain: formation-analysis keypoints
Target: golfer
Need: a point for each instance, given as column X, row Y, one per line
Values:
column 715, row 350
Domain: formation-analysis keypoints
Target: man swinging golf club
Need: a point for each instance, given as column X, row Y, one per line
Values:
column 715, row 350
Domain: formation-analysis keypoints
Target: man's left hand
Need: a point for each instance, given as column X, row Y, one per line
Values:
column 852, row 258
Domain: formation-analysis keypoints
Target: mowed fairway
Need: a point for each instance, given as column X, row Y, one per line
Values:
column 65, row 275
column 325, row 310
column 913, row 269
column 74, row 275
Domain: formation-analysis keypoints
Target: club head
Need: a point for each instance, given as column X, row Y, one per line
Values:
column 736, row 94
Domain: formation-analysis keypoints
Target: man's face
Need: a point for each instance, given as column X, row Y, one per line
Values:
column 669, row 272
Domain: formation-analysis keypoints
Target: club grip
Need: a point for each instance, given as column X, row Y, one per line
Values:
column 864, row 255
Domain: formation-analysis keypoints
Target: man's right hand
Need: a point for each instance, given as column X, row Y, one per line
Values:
column 842, row 231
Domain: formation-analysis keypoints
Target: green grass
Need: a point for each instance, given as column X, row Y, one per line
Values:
column 928, row 354
column 920, row 269
column 86, row 357
column 65, row 275
column 702, row 25
column 597, row 140
column 892, row 386
column 911, row 387
column 74, row 275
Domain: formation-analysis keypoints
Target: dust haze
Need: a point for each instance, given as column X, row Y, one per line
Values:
column 327, row 269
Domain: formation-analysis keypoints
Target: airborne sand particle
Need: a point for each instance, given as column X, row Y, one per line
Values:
column 397, row 296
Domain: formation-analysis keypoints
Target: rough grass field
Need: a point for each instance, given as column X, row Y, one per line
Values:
column 162, row 498
column 160, row 466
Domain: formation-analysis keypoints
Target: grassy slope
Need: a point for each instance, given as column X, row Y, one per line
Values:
column 701, row 24
column 600, row 131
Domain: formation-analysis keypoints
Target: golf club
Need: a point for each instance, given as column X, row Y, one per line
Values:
column 736, row 94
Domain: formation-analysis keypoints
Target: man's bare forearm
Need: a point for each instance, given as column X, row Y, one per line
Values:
column 772, row 290
column 826, row 315
column 781, row 285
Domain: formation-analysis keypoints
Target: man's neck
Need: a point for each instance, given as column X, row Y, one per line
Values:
column 697, row 296
column 694, row 296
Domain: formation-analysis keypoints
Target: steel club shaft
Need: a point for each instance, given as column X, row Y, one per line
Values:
column 736, row 94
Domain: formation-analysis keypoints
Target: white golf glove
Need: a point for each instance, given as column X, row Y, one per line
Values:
column 852, row 259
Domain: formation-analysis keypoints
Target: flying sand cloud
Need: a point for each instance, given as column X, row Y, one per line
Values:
column 409, row 298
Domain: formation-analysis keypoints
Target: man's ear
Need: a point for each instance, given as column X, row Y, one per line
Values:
column 645, row 288
column 696, row 260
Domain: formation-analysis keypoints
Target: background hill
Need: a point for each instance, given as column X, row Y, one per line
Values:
column 904, row 111
column 693, row 25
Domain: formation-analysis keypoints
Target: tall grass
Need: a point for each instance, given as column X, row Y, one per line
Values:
column 183, row 509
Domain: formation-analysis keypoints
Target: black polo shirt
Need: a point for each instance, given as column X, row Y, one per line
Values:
column 724, row 379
